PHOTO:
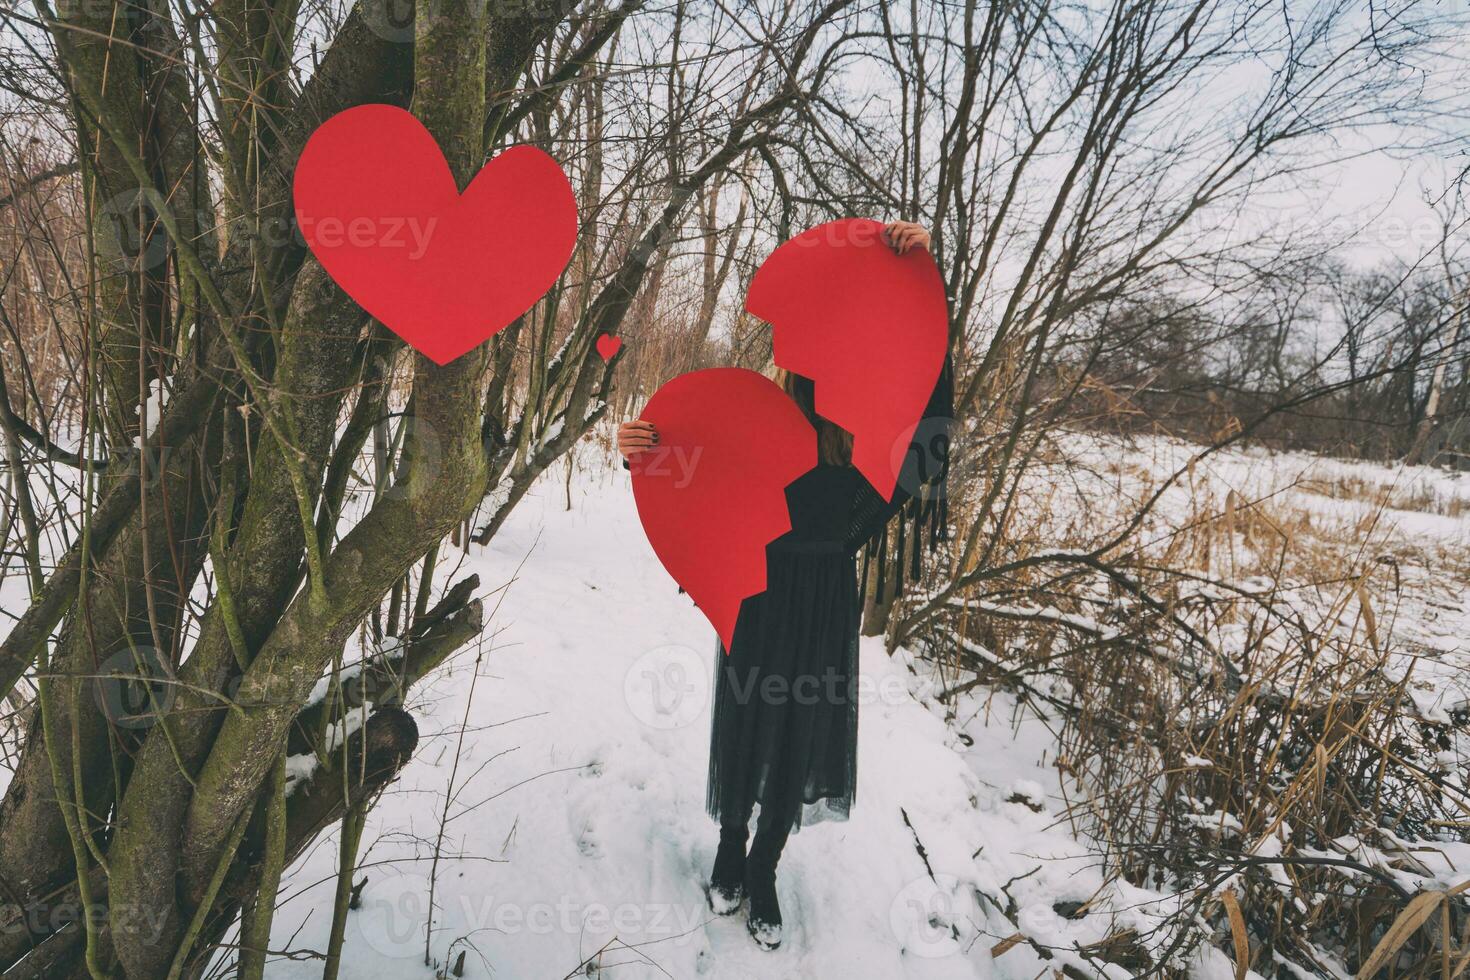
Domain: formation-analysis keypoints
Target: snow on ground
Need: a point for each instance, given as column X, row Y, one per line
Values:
column 570, row 744
column 1422, row 502
column 576, row 838
column 571, row 741
column 1410, row 523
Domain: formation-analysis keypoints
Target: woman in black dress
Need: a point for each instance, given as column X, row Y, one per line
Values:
column 784, row 740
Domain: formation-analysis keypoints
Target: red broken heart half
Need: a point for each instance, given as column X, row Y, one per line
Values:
column 712, row 495
column 869, row 327
column 379, row 208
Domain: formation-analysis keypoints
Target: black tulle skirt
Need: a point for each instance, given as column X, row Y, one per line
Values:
column 784, row 738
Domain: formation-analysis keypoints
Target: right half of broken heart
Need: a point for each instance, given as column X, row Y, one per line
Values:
column 869, row 327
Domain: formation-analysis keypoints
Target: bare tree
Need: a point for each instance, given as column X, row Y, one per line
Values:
column 224, row 480
column 227, row 555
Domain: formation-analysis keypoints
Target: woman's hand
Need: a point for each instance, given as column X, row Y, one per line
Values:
column 635, row 437
column 904, row 235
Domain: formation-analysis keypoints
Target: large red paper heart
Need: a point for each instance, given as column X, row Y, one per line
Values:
column 869, row 327
column 712, row 495
column 445, row 271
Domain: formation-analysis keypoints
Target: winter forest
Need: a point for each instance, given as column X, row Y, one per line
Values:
column 321, row 659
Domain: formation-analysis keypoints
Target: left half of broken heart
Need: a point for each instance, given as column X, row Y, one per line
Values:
column 379, row 208
column 712, row 494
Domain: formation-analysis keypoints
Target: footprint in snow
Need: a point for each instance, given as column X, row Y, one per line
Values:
column 588, row 844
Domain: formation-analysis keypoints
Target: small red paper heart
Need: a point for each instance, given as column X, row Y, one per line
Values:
column 608, row 346
column 711, row 496
column 869, row 327
column 380, row 210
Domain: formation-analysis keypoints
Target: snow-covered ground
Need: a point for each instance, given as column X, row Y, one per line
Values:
column 571, row 744
column 1406, row 527
column 560, row 773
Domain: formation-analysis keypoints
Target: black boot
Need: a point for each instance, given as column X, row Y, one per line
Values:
column 727, row 878
column 764, row 918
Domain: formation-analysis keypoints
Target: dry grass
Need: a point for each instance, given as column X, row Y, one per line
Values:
column 1419, row 497
column 1246, row 697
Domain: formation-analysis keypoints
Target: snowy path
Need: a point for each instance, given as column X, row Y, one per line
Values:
column 577, row 822
column 580, row 724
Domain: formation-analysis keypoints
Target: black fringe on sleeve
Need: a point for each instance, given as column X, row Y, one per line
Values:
column 923, row 517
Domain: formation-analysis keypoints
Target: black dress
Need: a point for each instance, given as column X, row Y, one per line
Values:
column 785, row 706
